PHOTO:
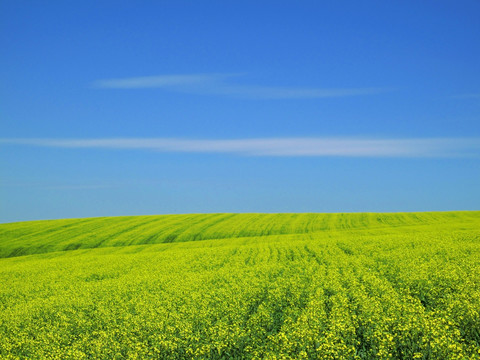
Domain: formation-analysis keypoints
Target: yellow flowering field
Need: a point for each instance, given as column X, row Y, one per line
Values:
column 242, row 286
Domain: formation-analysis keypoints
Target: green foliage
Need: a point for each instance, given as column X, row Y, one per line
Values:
column 257, row 286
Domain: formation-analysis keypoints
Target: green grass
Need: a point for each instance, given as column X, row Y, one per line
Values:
column 253, row 286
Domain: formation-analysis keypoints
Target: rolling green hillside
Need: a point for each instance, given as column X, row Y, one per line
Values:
column 36, row 237
column 242, row 286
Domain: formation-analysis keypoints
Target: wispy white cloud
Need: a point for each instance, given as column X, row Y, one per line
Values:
column 327, row 146
column 162, row 81
column 266, row 92
column 221, row 84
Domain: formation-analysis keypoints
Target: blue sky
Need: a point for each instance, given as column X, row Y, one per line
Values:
column 124, row 108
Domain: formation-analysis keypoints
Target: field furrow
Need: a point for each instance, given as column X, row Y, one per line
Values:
column 294, row 286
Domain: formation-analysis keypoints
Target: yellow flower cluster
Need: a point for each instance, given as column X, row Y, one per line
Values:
column 405, row 290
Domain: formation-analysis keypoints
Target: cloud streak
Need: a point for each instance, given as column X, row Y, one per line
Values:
column 313, row 147
column 161, row 81
column 221, row 84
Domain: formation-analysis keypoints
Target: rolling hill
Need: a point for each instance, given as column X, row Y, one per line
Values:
column 247, row 286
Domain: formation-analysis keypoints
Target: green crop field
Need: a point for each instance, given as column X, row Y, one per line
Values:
column 242, row 286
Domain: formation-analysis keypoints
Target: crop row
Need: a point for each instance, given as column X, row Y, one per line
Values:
column 345, row 295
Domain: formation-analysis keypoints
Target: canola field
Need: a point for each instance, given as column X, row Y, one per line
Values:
column 242, row 286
